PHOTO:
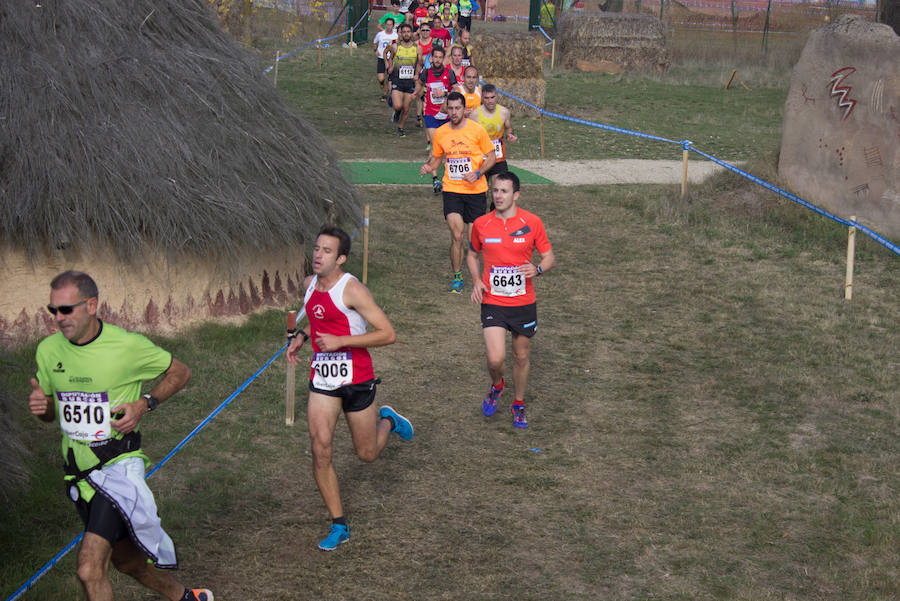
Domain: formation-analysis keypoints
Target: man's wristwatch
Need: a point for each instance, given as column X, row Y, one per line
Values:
column 152, row 402
column 539, row 270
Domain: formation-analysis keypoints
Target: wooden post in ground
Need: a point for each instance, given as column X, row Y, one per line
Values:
column 552, row 54
column 277, row 54
column 319, row 47
column 730, row 79
column 290, row 388
column 366, row 246
column 684, row 159
column 851, row 251
column 542, row 135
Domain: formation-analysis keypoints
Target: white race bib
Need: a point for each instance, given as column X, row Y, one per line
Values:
column 507, row 281
column 464, row 12
column 407, row 71
column 437, row 86
column 465, row 62
column 84, row 415
column 498, row 148
column 332, row 370
column 459, row 167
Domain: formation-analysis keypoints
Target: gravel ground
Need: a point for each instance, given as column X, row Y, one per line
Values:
column 617, row 171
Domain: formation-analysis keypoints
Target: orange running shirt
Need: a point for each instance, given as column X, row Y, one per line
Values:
column 465, row 149
column 503, row 247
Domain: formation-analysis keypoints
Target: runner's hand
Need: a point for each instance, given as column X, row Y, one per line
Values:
column 529, row 270
column 133, row 412
column 478, row 289
column 512, row 137
column 328, row 342
column 38, row 402
column 294, row 350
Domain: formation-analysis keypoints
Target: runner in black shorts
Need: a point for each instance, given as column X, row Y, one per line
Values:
column 506, row 238
column 403, row 61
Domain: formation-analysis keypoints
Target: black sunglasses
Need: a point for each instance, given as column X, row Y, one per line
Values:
column 65, row 309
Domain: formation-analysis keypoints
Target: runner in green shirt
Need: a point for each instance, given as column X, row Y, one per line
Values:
column 89, row 380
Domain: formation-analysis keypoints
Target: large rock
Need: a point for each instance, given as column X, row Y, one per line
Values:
column 840, row 144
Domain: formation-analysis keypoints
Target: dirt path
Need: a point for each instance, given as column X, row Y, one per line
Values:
column 617, row 171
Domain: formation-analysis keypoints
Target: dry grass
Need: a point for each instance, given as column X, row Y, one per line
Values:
column 713, row 422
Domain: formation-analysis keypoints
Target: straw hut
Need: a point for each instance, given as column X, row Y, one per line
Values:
column 141, row 144
column 634, row 42
column 514, row 62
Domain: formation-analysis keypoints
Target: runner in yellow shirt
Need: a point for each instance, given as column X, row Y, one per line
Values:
column 494, row 118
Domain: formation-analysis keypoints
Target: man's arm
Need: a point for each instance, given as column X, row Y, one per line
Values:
column 546, row 263
column 489, row 159
column 474, row 266
column 507, row 126
column 358, row 298
column 293, row 350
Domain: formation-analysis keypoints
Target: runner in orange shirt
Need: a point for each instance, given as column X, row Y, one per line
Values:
column 469, row 152
column 506, row 239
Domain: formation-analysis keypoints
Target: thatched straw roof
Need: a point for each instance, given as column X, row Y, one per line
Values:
column 141, row 121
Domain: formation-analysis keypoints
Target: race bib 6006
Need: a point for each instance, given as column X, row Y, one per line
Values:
column 84, row 415
column 332, row 370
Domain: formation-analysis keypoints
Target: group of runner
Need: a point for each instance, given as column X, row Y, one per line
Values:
column 90, row 374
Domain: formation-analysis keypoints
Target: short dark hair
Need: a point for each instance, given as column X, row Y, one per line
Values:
column 391, row 19
column 87, row 287
column 438, row 48
column 510, row 177
column 405, row 25
column 454, row 95
column 488, row 88
column 342, row 236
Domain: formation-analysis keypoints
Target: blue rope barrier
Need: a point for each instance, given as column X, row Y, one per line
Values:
column 56, row 558
column 317, row 41
column 802, row 202
column 688, row 145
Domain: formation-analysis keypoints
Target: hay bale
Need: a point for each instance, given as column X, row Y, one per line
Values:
column 514, row 62
column 509, row 55
column 531, row 90
column 637, row 42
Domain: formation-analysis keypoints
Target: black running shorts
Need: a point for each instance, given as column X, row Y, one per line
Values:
column 518, row 320
column 102, row 518
column 470, row 206
column 354, row 397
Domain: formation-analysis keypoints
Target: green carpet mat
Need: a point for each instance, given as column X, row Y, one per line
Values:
column 376, row 172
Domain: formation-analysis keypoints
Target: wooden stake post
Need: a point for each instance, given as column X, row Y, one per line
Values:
column 851, row 251
column 290, row 388
column 685, row 145
column 552, row 54
column 542, row 135
column 277, row 54
column 319, row 47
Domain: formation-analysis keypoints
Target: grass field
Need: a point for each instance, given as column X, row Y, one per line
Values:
column 710, row 420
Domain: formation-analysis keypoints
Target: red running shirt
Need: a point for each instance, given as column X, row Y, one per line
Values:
column 504, row 246
column 327, row 314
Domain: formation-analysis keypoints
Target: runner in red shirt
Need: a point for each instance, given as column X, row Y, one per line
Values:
column 340, row 308
column 506, row 239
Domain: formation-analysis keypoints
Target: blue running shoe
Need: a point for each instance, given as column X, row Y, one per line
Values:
column 339, row 534
column 489, row 404
column 456, row 286
column 519, row 420
column 202, row 594
column 402, row 426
